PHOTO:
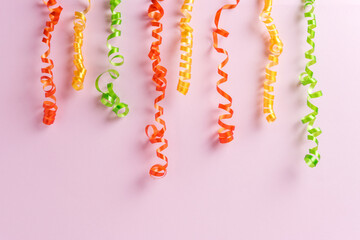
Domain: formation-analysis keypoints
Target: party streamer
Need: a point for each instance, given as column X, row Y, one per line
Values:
column 155, row 135
column 226, row 131
column 109, row 97
column 306, row 78
column 276, row 48
column 186, row 47
column 79, row 27
column 47, row 78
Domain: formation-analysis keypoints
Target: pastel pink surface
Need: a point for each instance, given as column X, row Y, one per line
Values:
column 86, row 177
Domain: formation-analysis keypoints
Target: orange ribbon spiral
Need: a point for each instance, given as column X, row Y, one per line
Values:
column 186, row 47
column 226, row 132
column 276, row 48
column 47, row 78
column 156, row 12
column 79, row 27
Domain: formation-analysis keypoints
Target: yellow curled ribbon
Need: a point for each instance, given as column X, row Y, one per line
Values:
column 306, row 78
column 79, row 27
column 276, row 48
column 185, row 46
column 109, row 98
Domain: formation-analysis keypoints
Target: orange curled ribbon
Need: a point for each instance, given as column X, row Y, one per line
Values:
column 47, row 78
column 79, row 27
column 226, row 131
column 186, row 47
column 155, row 135
column 276, row 48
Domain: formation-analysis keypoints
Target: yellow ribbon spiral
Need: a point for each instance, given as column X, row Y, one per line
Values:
column 79, row 27
column 186, row 47
column 276, row 48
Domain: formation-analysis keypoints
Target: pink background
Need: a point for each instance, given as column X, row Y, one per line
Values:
column 86, row 177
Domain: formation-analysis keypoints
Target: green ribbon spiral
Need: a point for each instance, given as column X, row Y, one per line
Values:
column 306, row 78
column 109, row 97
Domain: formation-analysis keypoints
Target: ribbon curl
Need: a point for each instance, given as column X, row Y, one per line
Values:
column 306, row 78
column 186, row 47
column 226, row 131
column 47, row 78
column 155, row 135
column 79, row 27
column 109, row 98
column 276, row 48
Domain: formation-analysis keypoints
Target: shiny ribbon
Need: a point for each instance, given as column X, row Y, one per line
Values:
column 47, row 78
column 226, row 131
column 79, row 27
column 186, row 47
column 109, row 97
column 156, row 135
column 306, row 78
column 276, row 48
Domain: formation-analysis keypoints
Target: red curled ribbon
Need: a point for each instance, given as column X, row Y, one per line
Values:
column 47, row 79
column 226, row 132
column 156, row 12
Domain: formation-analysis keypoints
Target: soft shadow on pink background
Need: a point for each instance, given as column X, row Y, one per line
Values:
column 86, row 177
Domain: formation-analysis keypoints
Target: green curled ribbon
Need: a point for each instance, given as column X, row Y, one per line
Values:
column 306, row 78
column 109, row 98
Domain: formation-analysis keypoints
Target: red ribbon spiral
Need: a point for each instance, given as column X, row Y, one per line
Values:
column 155, row 135
column 226, row 132
column 49, row 105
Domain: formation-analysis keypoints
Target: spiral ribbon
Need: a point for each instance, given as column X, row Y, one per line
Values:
column 226, row 131
column 306, row 78
column 276, row 48
column 79, row 27
column 47, row 78
column 109, row 98
column 186, row 47
column 156, row 135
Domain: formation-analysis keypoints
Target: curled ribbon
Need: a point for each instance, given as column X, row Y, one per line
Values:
column 47, row 78
column 109, row 97
column 306, row 78
column 79, row 27
column 186, row 47
column 226, row 131
column 276, row 48
column 155, row 135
